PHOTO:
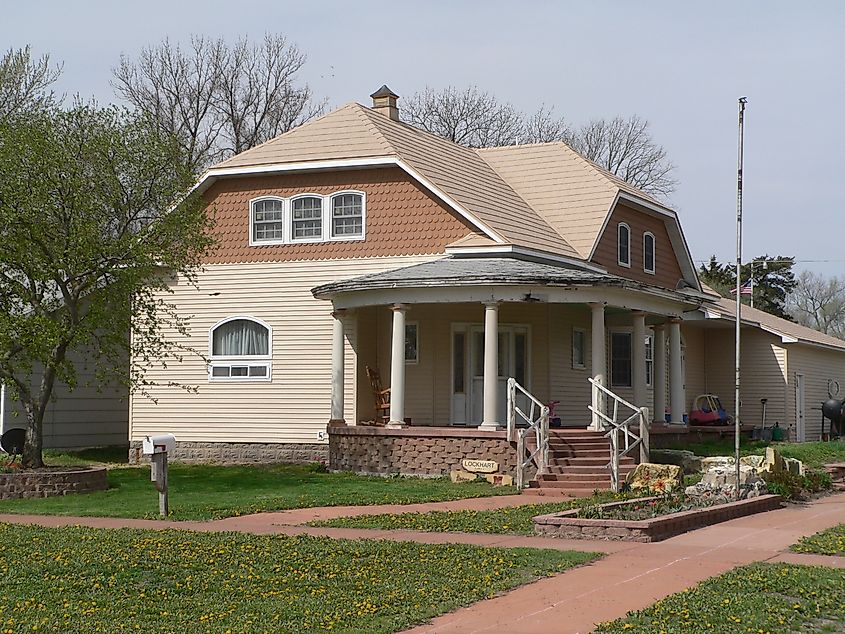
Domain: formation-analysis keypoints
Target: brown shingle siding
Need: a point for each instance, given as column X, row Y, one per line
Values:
column 401, row 217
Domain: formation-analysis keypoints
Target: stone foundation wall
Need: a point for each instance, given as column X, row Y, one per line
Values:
column 42, row 484
column 416, row 451
column 239, row 453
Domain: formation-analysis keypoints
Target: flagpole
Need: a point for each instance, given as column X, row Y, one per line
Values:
column 740, row 152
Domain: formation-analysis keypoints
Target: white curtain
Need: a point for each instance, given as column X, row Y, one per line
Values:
column 240, row 337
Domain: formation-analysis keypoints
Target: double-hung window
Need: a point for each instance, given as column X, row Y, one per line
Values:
column 579, row 348
column 620, row 359
column 649, row 360
column 240, row 350
column 648, row 252
column 268, row 220
column 623, row 251
column 347, row 215
column 307, row 218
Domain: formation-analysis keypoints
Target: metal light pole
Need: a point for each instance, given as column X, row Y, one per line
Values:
column 742, row 102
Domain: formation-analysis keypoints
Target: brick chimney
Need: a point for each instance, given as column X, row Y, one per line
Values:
column 384, row 101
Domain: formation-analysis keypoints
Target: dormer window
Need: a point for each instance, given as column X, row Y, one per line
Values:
column 648, row 252
column 307, row 218
column 624, row 244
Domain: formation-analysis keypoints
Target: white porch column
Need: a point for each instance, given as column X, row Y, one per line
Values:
column 491, row 366
column 676, row 376
column 337, row 367
column 599, row 359
column 638, row 377
column 397, row 367
column 660, row 373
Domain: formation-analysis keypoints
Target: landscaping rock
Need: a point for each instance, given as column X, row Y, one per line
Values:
column 720, row 483
column 753, row 461
column 655, row 477
column 459, row 475
column 774, row 462
column 714, row 462
column 687, row 460
column 794, row 466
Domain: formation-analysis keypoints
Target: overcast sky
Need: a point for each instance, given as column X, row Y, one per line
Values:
column 680, row 66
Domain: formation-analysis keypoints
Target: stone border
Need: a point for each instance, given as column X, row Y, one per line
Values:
column 238, row 453
column 568, row 526
column 43, row 484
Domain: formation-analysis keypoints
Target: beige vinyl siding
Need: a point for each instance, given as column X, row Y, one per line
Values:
column 695, row 377
column 296, row 404
column 761, row 373
column 569, row 385
column 91, row 415
column 818, row 365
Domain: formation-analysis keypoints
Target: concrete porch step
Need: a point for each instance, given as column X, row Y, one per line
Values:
column 599, row 461
column 589, row 469
column 574, row 477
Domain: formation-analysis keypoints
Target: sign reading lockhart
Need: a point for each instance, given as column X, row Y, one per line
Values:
column 480, row 466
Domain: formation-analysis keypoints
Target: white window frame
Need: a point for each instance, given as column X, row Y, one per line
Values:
column 327, row 233
column 618, row 251
column 653, row 269
column 289, row 219
column 416, row 326
column 583, row 364
column 630, row 336
column 330, row 216
column 230, row 361
column 285, row 206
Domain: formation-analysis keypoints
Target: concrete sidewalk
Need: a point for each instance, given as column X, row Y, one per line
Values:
column 630, row 577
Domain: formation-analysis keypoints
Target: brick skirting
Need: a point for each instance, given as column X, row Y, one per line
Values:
column 419, row 451
column 43, row 484
column 568, row 525
column 239, row 453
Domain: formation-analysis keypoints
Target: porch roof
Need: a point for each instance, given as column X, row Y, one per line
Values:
column 463, row 271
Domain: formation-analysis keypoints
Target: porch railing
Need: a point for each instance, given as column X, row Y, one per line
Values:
column 623, row 439
column 536, row 421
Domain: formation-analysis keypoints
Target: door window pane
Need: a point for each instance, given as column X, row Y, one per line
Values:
column 620, row 359
column 520, row 361
column 411, row 343
column 478, row 354
column 504, row 361
column 458, row 343
column 579, row 348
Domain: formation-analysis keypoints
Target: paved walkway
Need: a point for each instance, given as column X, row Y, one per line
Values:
column 630, row 577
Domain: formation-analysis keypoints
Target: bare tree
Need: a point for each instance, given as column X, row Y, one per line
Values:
column 626, row 148
column 819, row 303
column 24, row 82
column 218, row 99
column 475, row 118
column 471, row 117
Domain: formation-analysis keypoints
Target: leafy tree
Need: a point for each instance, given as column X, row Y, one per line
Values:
column 218, row 99
column 819, row 303
column 774, row 280
column 91, row 231
column 476, row 118
column 24, row 82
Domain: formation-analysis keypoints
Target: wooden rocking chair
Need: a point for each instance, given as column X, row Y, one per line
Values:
column 381, row 396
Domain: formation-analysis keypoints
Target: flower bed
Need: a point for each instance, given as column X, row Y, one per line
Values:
column 569, row 525
column 47, row 482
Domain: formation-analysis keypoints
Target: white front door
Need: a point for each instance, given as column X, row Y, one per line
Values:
column 468, row 369
column 800, row 427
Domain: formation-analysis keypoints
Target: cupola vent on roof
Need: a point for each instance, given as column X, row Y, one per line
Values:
column 384, row 102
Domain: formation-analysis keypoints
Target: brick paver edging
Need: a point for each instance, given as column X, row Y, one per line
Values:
column 42, row 484
column 569, row 526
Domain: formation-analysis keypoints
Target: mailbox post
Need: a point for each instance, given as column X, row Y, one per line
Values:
column 157, row 447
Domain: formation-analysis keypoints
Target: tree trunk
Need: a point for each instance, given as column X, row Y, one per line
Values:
column 33, row 445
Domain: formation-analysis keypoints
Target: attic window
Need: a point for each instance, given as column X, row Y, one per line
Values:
column 348, row 215
column 648, row 252
column 623, row 251
column 307, row 218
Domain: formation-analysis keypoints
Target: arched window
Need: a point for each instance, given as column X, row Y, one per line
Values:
column 623, row 251
column 240, row 350
column 648, row 252
column 267, row 219
column 307, row 218
column 348, row 215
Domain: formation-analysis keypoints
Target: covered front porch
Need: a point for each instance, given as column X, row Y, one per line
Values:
column 445, row 337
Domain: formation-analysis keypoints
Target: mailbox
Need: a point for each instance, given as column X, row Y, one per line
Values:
column 163, row 443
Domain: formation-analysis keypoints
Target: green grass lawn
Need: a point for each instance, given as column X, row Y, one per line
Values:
column 200, row 492
column 814, row 455
column 829, row 542
column 94, row 580
column 773, row 598
column 514, row 520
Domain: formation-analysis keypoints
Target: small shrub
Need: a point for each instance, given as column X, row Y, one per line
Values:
column 795, row 487
column 817, row 481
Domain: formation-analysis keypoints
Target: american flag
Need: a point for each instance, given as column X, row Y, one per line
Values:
column 745, row 289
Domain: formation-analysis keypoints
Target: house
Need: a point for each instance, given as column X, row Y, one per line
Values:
column 356, row 241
